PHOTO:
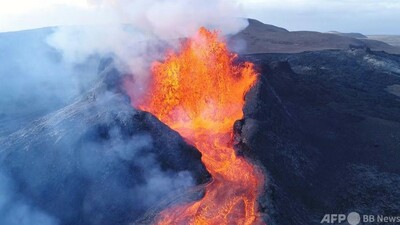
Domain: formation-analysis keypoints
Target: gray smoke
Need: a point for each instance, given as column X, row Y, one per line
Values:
column 91, row 162
column 34, row 80
column 72, row 148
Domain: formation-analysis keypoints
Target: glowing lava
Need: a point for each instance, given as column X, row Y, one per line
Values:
column 199, row 92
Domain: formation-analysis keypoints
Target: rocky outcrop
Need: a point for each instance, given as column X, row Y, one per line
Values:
column 327, row 132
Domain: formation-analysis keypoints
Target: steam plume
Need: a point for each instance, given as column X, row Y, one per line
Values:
column 87, row 161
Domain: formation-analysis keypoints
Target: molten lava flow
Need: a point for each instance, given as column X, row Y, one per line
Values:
column 199, row 92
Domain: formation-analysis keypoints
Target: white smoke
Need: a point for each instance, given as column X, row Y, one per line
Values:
column 130, row 31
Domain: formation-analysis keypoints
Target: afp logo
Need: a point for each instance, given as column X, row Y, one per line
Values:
column 352, row 218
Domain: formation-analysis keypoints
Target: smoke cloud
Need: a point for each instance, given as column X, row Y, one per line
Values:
column 136, row 33
column 72, row 149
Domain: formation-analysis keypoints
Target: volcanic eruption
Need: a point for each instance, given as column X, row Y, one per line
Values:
column 199, row 92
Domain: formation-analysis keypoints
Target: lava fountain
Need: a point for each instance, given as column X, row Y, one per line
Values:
column 199, row 92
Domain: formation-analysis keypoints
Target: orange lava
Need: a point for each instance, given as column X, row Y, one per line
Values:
column 199, row 92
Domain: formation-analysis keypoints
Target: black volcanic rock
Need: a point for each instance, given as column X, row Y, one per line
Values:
column 327, row 131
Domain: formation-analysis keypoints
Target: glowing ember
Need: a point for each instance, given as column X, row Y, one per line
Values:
column 199, row 92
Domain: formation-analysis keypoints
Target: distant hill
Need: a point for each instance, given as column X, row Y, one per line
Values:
column 263, row 38
column 352, row 35
column 389, row 39
column 257, row 27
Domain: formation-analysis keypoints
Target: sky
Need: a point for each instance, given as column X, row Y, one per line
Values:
column 364, row 16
